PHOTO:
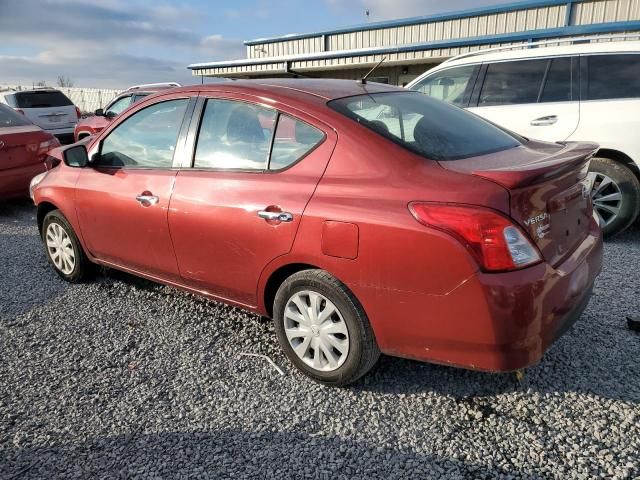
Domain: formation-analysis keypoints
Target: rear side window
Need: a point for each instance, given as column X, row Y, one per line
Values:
column 509, row 83
column 613, row 76
column 9, row 118
column 234, row 135
column 41, row 99
column 293, row 140
column 428, row 127
column 452, row 85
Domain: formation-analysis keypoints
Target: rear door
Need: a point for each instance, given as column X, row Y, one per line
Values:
column 49, row 109
column 239, row 206
column 122, row 199
column 537, row 98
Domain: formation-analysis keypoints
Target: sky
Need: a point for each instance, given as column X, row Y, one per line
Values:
column 117, row 43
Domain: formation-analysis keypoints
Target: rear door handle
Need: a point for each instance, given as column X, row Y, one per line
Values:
column 146, row 199
column 276, row 216
column 548, row 120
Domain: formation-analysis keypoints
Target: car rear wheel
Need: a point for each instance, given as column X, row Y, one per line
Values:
column 615, row 193
column 323, row 329
column 63, row 249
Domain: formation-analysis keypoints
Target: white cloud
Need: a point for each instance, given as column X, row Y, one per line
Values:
column 106, row 43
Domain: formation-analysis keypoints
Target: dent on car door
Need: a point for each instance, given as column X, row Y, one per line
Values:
column 537, row 98
column 239, row 206
column 123, row 197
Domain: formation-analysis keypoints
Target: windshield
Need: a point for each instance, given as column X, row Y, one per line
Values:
column 9, row 118
column 41, row 99
column 426, row 126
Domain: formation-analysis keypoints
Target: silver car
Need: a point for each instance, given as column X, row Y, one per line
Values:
column 48, row 108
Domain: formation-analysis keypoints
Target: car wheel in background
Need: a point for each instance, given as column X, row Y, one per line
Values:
column 63, row 249
column 615, row 193
column 323, row 329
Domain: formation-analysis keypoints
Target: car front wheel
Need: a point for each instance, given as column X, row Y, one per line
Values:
column 615, row 193
column 63, row 248
column 323, row 329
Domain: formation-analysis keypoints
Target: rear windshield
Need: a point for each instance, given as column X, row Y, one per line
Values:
column 428, row 127
column 41, row 99
column 9, row 118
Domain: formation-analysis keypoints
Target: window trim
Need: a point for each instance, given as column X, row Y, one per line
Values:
column 196, row 124
column 179, row 146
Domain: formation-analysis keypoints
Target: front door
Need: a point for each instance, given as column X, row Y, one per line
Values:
column 123, row 197
column 239, row 207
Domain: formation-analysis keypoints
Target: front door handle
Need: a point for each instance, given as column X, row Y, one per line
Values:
column 542, row 121
column 146, row 199
column 276, row 216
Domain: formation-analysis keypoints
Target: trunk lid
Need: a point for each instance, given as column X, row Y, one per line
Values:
column 548, row 189
column 20, row 146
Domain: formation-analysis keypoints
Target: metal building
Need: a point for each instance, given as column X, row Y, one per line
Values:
column 411, row 46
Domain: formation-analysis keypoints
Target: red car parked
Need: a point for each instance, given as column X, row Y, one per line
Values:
column 23, row 149
column 380, row 221
column 102, row 117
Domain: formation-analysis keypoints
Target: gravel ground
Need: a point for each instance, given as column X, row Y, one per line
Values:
column 124, row 378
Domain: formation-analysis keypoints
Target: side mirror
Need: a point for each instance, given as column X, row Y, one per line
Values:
column 110, row 114
column 99, row 112
column 76, row 156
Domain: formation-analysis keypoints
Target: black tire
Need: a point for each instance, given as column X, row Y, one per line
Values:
column 363, row 350
column 629, row 187
column 83, row 267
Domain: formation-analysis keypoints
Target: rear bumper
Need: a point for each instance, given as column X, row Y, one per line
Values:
column 14, row 183
column 65, row 135
column 498, row 322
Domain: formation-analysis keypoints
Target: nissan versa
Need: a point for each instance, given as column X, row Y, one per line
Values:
column 362, row 218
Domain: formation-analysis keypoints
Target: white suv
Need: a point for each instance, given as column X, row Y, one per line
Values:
column 581, row 91
column 48, row 108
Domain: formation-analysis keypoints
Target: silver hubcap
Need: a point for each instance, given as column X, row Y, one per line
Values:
column 60, row 248
column 606, row 196
column 316, row 331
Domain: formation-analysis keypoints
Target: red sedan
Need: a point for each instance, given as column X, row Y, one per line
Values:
column 362, row 218
column 23, row 149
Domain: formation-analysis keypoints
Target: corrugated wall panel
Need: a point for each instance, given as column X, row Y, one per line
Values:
column 595, row 11
column 600, row 11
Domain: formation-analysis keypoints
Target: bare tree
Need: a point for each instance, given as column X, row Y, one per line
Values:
column 64, row 81
column 40, row 83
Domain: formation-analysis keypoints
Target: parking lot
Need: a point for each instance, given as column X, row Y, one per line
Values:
column 123, row 377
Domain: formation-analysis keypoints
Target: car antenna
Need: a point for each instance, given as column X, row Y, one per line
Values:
column 363, row 80
column 296, row 74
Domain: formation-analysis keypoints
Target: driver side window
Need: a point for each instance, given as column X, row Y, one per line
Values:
column 452, row 85
column 118, row 106
column 146, row 139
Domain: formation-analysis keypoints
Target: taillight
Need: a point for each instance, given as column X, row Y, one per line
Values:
column 78, row 113
column 493, row 239
column 47, row 145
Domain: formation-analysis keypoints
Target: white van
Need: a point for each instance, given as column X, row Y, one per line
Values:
column 576, row 92
column 48, row 108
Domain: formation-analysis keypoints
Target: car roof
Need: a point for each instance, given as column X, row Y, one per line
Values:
column 324, row 89
column 37, row 90
column 519, row 52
